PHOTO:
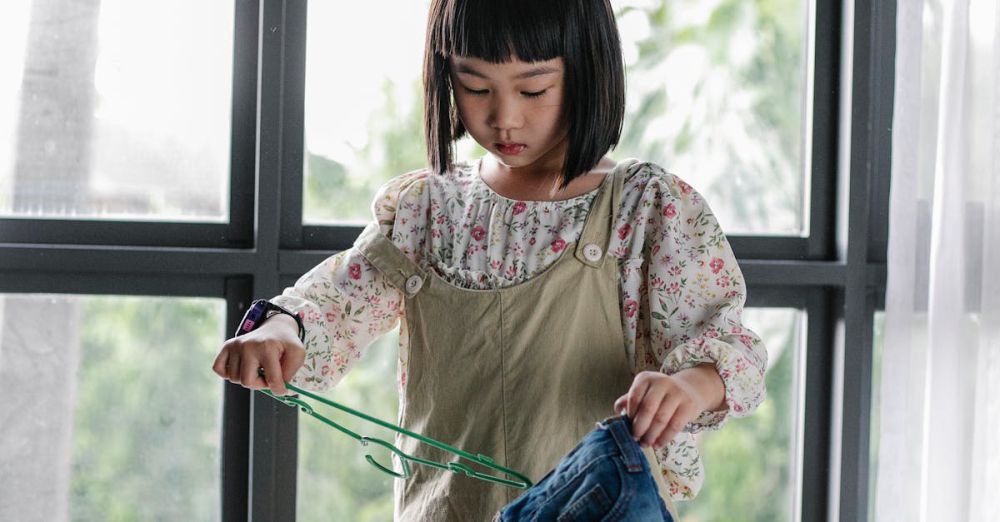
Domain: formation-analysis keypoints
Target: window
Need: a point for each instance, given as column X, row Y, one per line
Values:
column 751, row 464
column 335, row 481
column 109, row 410
column 102, row 120
column 249, row 169
column 878, row 338
column 716, row 93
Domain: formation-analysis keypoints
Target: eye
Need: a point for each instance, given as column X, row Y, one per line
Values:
column 475, row 92
column 534, row 94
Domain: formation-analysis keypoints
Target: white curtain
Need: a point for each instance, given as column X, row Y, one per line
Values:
column 939, row 427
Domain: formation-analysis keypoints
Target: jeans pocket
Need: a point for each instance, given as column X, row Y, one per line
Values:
column 592, row 505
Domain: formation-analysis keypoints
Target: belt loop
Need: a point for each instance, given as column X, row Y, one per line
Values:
column 621, row 430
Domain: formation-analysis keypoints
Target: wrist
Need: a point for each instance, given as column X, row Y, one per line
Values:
column 709, row 388
column 284, row 320
column 261, row 310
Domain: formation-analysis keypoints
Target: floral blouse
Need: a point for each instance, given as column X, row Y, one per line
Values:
column 682, row 293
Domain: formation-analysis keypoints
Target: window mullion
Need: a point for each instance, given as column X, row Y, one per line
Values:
column 273, row 426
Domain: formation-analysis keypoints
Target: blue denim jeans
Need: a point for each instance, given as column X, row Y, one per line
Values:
column 605, row 477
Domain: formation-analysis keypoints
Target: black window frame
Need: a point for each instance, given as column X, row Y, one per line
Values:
column 836, row 274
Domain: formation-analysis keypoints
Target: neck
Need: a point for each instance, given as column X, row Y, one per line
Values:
column 539, row 184
column 538, row 176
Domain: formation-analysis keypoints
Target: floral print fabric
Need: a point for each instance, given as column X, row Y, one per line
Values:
column 682, row 292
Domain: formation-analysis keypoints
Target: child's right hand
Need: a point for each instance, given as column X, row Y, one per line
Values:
column 274, row 346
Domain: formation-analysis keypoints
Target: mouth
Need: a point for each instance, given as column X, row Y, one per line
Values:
column 510, row 149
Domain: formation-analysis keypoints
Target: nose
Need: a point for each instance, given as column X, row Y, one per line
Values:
column 505, row 113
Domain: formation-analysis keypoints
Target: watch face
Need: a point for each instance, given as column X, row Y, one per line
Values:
column 253, row 316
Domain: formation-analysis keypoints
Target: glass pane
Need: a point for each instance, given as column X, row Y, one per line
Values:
column 109, row 410
column 715, row 95
column 116, row 109
column 335, row 482
column 878, row 343
column 365, row 128
column 752, row 464
column 749, row 464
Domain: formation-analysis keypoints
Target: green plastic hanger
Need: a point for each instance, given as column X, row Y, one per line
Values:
column 456, row 467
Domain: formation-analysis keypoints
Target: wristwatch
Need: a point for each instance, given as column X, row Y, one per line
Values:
column 260, row 310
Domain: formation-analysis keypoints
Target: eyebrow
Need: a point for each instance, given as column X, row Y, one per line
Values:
column 530, row 73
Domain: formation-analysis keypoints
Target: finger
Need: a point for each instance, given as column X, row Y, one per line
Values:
column 291, row 361
column 661, row 418
column 219, row 366
column 272, row 374
column 249, row 373
column 620, row 404
column 676, row 425
column 647, row 411
column 233, row 368
column 635, row 394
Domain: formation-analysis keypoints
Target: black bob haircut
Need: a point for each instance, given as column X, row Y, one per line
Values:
column 583, row 32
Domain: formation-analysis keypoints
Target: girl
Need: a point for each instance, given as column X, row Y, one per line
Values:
column 539, row 288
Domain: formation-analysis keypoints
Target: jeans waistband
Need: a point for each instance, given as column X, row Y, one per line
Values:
column 620, row 427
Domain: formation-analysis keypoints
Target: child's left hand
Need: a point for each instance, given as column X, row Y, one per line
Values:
column 660, row 405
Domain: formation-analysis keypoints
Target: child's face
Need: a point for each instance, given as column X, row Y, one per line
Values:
column 501, row 108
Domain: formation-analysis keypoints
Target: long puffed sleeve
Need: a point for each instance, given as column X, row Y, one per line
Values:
column 345, row 303
column 689, row 309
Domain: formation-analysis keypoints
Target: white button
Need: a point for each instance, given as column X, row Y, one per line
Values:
column 592, row 252
column 414, row 283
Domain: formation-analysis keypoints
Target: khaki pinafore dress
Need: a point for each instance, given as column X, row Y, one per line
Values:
column 520, row 374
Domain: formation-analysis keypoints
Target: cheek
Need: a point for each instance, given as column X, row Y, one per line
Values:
column 548, row 116
column 469, row 110
column 549, row 111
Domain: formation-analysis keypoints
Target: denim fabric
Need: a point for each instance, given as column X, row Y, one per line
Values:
column 605, row 477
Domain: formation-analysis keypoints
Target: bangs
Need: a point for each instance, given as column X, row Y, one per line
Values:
column 493, row 31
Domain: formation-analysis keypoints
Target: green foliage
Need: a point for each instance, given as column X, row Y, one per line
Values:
column 748, row 462
column 147, row 420
column 741, row 133
column 335, row 481
column 395, row 145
